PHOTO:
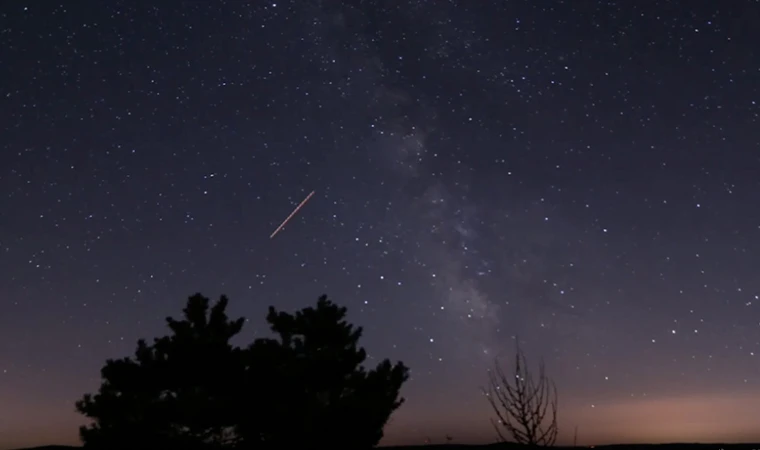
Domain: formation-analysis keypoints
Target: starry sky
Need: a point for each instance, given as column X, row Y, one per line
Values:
column 580, row 175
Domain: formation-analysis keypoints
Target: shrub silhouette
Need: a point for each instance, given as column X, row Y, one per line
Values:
column 194, row 390
column 325, row 397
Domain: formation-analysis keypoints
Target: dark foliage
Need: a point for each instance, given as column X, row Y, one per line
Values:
column 325, row 398
column 179, row 390
column 194, row 390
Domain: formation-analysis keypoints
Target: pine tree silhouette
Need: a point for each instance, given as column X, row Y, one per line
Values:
column 324, row 397
column 193, row 390
column 179, row 391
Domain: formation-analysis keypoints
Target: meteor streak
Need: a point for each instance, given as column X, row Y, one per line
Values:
column 277, row 230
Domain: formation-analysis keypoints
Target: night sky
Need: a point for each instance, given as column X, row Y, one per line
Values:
column 584, row 175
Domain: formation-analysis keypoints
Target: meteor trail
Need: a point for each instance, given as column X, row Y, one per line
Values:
column 277, row 230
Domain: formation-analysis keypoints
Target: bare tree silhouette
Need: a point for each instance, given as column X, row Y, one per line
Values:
column 525, row 406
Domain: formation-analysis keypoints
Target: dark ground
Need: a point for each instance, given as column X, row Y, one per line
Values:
column 598, row 447
column 514, row 446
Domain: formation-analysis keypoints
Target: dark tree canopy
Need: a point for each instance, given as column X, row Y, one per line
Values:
column 327, row 396
column 179, row 390
column 192, row 389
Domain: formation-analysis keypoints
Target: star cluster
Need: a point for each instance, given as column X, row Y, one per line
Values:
column 581, row 176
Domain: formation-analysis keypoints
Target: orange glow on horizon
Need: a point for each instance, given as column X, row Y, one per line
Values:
column 711, row 417
column 724, row 418
column 697, row 418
